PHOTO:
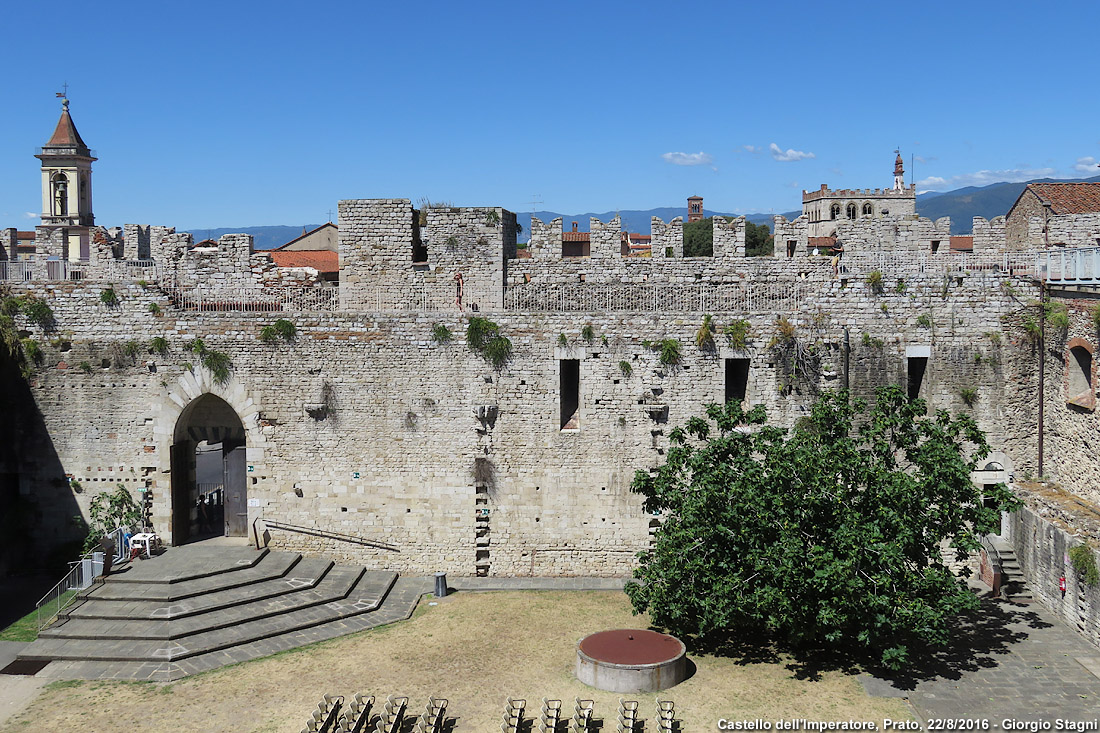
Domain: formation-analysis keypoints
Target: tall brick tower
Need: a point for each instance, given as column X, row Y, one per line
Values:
column 899, row 173
column 695, row 208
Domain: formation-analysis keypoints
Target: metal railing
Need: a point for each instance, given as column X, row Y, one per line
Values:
column 291, row 299
column 655, row 298
column 80, row 576
column 17, row 271
column 943, row 263
column 1070, row 265
column 269, row 524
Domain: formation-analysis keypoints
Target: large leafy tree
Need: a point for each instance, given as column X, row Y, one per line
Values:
column 826, row 534
column 699, row 238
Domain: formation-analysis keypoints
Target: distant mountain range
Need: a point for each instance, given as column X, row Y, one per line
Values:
column 962, row 205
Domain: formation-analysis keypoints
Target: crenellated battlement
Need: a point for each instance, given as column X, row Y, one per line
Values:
column 826, row 193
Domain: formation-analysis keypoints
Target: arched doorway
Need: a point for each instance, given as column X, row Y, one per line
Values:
column 208, row 466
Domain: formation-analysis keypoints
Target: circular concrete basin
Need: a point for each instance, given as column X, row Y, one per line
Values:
column 631, row 660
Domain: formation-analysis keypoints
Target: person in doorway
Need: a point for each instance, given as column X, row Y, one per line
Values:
column 204, row 515
column 458, row 290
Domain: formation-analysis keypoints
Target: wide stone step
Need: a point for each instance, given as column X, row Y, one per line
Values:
column 398, row 605
column 330, row 584
column 304, row 574
column 366, row 596
column 272, row 565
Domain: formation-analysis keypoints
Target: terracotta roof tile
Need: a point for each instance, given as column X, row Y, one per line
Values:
column 321, row 260
column 574, row 236
column 962, row 243
column 65, row 135
column 25, row 235
column 1069, row 198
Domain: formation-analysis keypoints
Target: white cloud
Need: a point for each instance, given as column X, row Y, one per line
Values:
column 754, row 149
column 924, row 158
column 1087, row 165
column 699, row 158
column 789, row 155
column 984, row 178
column 30, row 215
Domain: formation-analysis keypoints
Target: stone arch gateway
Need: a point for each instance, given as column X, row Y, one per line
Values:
column 208, row 461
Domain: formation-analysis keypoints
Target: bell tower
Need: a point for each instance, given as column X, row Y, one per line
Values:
column 67, row 183
column 899, row 172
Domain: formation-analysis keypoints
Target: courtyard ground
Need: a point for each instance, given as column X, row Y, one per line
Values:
column 474, row 649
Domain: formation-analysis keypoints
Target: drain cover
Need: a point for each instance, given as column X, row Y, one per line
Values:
column 25, row 666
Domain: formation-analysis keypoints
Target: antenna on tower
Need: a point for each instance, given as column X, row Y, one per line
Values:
column 535, row 201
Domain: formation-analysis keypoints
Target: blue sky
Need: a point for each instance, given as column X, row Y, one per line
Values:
column 242, row 114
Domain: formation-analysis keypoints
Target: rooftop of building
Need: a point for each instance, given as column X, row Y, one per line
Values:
column 1080, row 197
column 303, row 235
column 321, row 260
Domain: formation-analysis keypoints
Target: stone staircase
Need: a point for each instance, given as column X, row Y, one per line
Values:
column 197, row 608
column 1013, row 585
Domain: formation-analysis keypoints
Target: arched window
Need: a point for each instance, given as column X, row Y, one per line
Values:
column 868, row 209
column 834, row 212
column 851, row 211
column 61, row 195
column 1080, row 378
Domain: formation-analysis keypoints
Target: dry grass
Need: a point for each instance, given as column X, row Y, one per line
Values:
column 474, row 649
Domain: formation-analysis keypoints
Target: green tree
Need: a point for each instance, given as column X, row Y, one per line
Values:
column 109, row 511
column 758, row 240
column 699, row 238
column 827, row 534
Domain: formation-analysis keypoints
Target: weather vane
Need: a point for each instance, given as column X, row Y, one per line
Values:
column 64, row 95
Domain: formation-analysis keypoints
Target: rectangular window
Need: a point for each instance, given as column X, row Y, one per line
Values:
column 737, row 379
column 935, row 245
column 569, row 373
column 917, row 365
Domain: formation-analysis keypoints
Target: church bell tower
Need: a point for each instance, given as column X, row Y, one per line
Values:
column 67, row 183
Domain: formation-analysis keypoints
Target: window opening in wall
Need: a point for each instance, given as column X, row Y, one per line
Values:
column 834, row 211
column 851, row 211
column 791, row 244
column 1080, row 376
column 668, row 252
column 569, row 371
column 917, row 365
column 867, row 210
column 737, row 379
column 935, row 245
column 419, row 250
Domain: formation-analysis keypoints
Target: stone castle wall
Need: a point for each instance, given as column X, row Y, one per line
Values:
column 420, row 433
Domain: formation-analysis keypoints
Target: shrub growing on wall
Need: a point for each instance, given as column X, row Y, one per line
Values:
column 484, row 338
column 1084, row 564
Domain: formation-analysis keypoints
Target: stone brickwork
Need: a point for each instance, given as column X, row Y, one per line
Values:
column 427, row 458
column 989, row 236
column 790, row 236
column 9, row 244
column 418, row 431
column 826, row 209
column 1071, row 230
column 666, row 240
column 1042, row 538
column 729, row 238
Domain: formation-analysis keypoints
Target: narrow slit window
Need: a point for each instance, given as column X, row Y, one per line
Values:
column 917, row 366
column 569, row 371
column 737, row 379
